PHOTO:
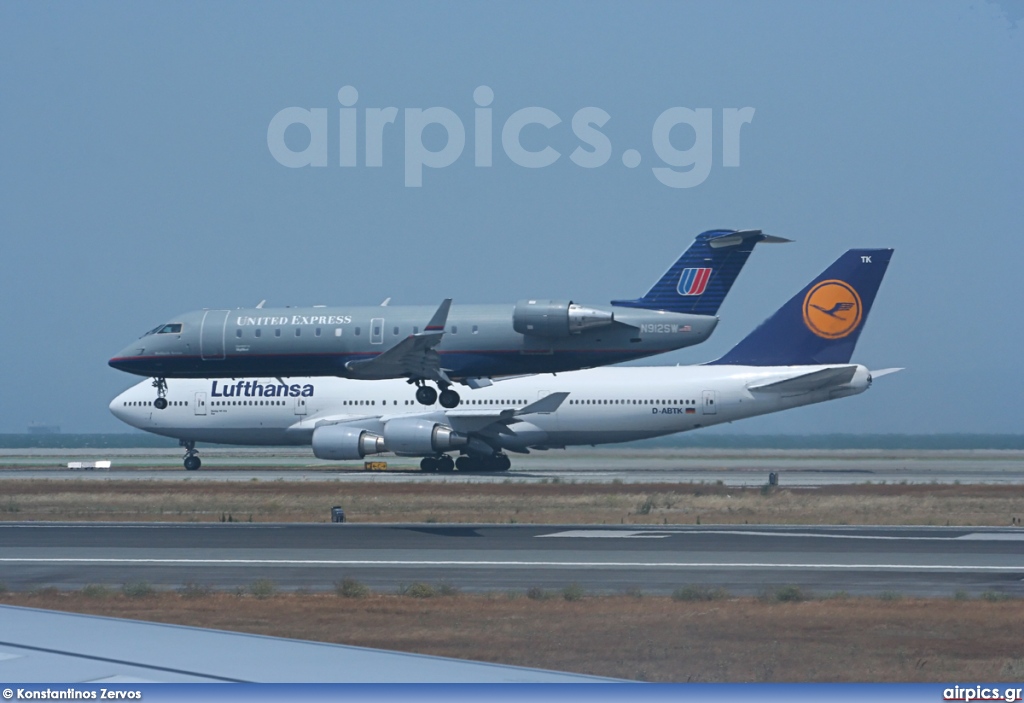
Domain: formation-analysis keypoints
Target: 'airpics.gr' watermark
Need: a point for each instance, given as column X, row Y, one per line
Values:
column 678, row 168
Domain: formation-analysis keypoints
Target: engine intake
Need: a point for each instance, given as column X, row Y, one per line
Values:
column 338, row 442
column 419, row 437
column 556, row 318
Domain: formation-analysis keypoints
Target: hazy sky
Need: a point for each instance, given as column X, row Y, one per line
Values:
column 137, row 179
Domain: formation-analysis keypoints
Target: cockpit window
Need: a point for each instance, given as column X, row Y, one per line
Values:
column 173, row 328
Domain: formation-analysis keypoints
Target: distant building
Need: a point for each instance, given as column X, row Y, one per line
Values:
column 43, row 429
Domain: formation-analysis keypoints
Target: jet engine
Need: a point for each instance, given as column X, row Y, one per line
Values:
column 340, row 442
column 420, row 437
column 556, row 318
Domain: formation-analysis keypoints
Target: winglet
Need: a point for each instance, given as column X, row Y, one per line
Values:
column 548, row 404
column 437, row 322
column 884, row 372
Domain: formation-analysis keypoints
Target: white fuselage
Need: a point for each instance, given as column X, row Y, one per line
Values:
column 604, row 405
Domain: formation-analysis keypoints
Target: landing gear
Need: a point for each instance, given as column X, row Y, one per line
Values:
column 161, row 393
column 449, row 398
column 192, row 461
column 432, row 464
column 494, row 462
column 425, row 395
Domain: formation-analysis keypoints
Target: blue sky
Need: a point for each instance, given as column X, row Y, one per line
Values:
column 136, row 180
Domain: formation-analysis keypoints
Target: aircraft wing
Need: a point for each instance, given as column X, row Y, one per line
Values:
column 413, row 357
column 807, row 382
column 472, row 420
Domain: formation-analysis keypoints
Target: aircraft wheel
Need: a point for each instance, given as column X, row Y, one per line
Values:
column 446, row 464
column 160, row 403
column 449, row 398
column 504, row 463
column 466, row 463
column 425, row 395
column 428, row 464
column 192, row 463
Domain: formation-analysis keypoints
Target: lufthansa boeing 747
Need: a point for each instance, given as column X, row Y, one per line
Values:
column 799, row 356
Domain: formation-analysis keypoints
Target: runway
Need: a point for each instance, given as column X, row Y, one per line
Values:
column 602, row 559
column 746, row 467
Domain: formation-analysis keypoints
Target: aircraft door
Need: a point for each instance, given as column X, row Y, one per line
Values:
column 300, row 406
column 710, row 407
column 377, row 330
column 211, row 335
column 200, row 403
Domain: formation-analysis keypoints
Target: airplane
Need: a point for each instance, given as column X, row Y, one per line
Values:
column 468, row 344
column 799, row 356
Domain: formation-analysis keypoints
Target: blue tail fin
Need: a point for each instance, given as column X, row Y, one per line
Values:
column 698, row 282
column 821, row 323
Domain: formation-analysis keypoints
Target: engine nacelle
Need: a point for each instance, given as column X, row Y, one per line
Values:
column 556, row 318
column 419, row 437
column 340, row 442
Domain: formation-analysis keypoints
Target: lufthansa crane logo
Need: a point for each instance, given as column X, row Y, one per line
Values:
column 832, row 309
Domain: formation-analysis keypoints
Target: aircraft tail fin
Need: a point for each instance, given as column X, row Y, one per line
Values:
column 699, row 280
column 821, row 323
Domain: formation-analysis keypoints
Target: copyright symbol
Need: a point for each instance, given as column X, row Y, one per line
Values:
column 8, row 693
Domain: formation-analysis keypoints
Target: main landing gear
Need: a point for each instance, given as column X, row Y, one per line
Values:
column 445, row 464
column 161, row 393
column 192, row 462
column 432, row 464
column 425, row 395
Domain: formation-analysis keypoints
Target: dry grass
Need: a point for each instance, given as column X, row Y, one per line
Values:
column 643, row 638
column 545, row 503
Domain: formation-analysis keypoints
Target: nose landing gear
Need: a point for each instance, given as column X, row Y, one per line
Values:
column 192, row 461
column 161, row 393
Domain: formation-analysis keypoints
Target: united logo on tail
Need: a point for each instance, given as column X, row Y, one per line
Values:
column 832, row 309
column 693, row 281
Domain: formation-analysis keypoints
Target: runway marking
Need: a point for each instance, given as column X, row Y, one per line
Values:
column 626, row 534
column 619, row 534
column 440, row 562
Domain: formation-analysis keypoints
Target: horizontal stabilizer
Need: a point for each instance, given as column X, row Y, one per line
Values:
column 699, row 280
column 807, row 382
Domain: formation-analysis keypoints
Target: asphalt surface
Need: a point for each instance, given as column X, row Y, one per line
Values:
column 602, row 559
column 748, row 467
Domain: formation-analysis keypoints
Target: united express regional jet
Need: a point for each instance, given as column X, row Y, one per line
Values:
column 799, row 356
column 469, row 344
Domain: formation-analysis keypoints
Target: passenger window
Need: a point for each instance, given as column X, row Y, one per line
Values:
column 415, row 330
column 277, row 332
column 455, row 329
column 476, row 329
column 258, row 332
column 396, row 331
column 317, row 332
column 358, row 331
column 298, row 331
column 238, row 333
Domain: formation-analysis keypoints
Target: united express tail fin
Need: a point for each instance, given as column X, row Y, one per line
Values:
column 698, row 282
column 821, row 323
